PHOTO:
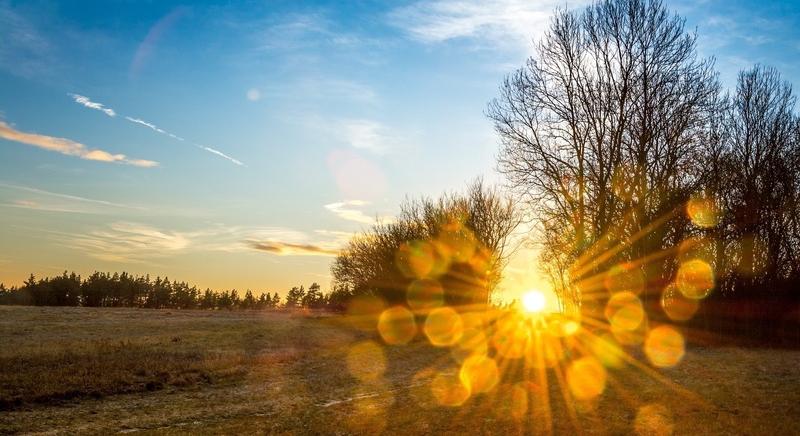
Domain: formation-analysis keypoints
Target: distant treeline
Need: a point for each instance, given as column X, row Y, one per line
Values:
column 127, row 290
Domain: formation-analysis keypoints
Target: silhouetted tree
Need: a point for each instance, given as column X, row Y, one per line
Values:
column 249, row 301
column 313, row 298
column 458, row 241
column 602, row 132
column 294, row 298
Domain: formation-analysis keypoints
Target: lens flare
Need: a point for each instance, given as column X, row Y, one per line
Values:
column 366, row 361
column 563, row 326
column 676, row 305
column 443, row 327
column 664, row 346
column 586, row 378
column 544, row 351
column 511, row 337
column 397, row 326
column 448, row 390
column 479, row 374
column 533, row 301
column 519, row 401
column 416, row 259
column 457, row 242
column 703, row 212
column 624, row 311
column 364, row 310
column 695, row 279
column 608, row 351
column 653, row 420
column 473, row 342
column 425, row 294
column 624, row 278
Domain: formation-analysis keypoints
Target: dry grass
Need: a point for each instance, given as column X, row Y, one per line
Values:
column 256, row 373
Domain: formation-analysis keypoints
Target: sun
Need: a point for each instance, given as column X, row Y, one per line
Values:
column 533, row 301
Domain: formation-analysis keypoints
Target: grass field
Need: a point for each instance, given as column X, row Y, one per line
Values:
column 84, row 370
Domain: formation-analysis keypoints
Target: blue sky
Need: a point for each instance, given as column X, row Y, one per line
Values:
column 285, row 123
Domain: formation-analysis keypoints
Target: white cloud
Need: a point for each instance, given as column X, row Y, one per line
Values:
column 347, row 210
column 141, row 243
column 219, row 153
column 512, row 23
column 176, row 137
column 69, row 147
column 149, row 125
column 97, row 155
column 367, row 135
column 93, row 105
column 129, row 242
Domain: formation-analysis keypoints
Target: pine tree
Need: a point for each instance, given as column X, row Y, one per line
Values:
column 249, row 301
column 294, row 298
column 313, row 297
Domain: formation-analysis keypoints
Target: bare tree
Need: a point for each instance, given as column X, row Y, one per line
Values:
column 602, row 133
column 762, row 184
column 458, row 242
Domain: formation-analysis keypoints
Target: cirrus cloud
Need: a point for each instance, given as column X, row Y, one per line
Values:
column 69, row 147
column 80, row 99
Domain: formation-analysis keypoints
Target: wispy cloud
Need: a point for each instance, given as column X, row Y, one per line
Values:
column 496, row 22
column 33, row 205
column 69, row 147
column 367, row 135
column 290, row 249
column 110, row 112
column 148, row 125
column 142, row 243
column 176, row 137
column 219, row 153
column 129, row 242
column 24, row 50
column 294, row 32
column 80, row 99
column 349, row 210
column 70, row 206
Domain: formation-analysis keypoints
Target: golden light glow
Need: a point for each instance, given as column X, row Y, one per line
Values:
column 534, row 301
column 366, row 361
column 416, row 259
column 534, row 339
column 624, row 311
column 664, row 346
column 624, row 278
column 586, row 378
column 396, row 325
column 608, row 351
column 364, row 311
column 479, row 374
column 676, row 305
column 473, row 342
column 425, row 294
column 448, row 390
column 703, row 212
column 519, row 401
column 653, row 419
column 695, row 279
column 511, row 337
column 443, row 327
